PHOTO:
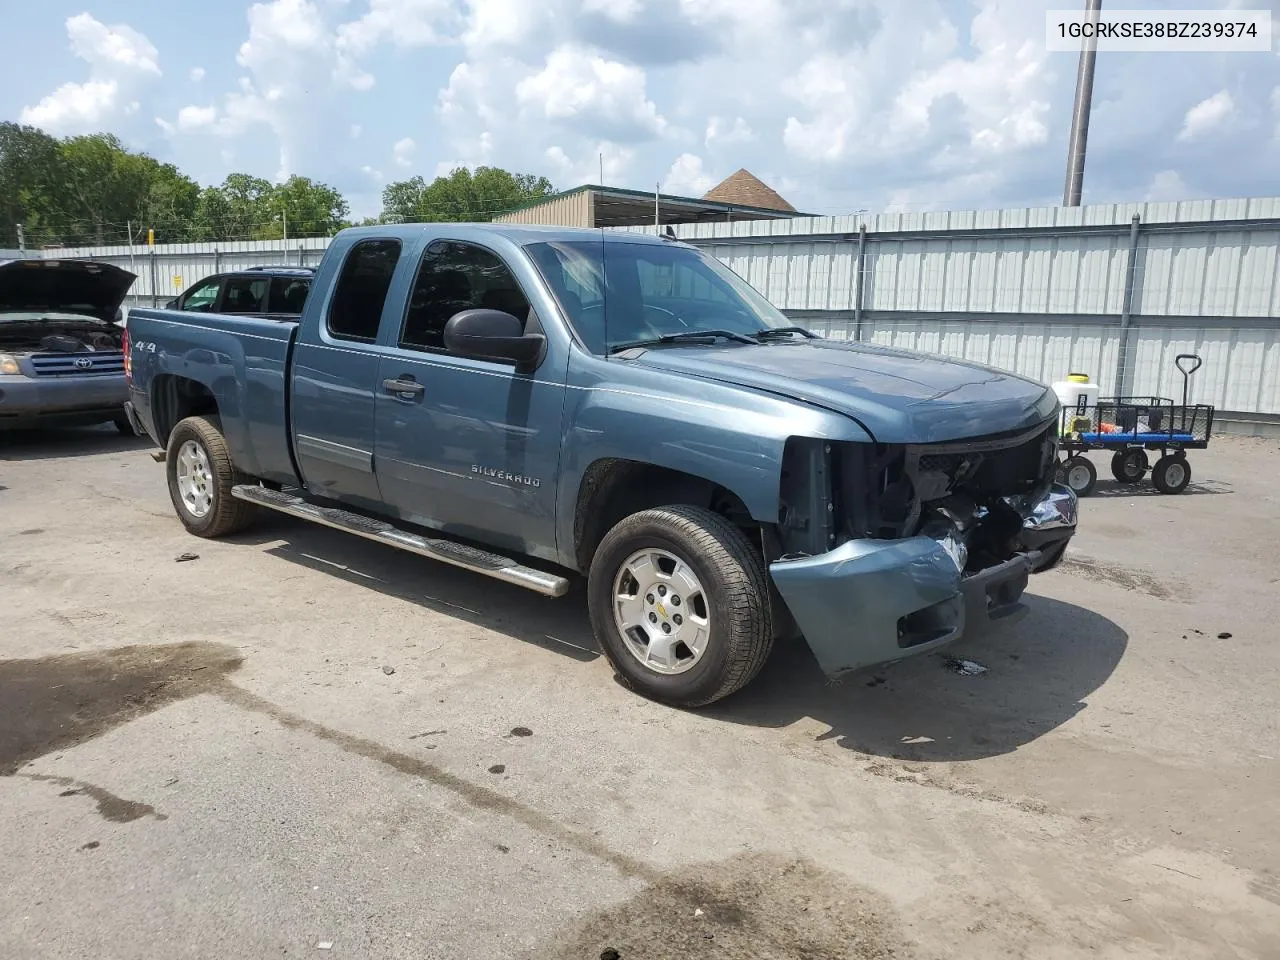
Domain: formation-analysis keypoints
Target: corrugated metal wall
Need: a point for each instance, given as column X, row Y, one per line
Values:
column 567, row 210
column 1037, row 290
column 1042, row 291
column 167, row 269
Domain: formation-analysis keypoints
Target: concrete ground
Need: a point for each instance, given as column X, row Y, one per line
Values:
column 213, row 758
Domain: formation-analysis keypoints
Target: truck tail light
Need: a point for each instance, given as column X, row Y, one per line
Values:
column 128, row 356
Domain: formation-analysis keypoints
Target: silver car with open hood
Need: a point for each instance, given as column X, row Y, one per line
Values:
column 61, row 361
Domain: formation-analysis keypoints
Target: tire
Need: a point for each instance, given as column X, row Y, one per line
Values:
column 1171, row 475
column 124, row 426
column 1080, row 475
column 1129, row 466
column 215, row 475
column 731, row 595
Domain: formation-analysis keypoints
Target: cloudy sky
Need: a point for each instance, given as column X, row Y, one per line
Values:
column 839, row 104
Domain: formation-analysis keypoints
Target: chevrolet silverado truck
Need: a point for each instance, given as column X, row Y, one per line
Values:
column 536, row 403
column 60, row 346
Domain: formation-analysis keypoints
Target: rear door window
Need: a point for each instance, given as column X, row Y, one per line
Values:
column 245, row 295
column 288, row 294
column 358, row 298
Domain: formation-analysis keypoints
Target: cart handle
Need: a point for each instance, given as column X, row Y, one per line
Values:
column 1187, row 356
column 1186, row 379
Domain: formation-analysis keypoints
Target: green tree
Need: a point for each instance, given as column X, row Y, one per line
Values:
column 102, row 187
column 312, row 210
column 462, row 196
column 251, row 208
column 30, row 163
column 211, row 216
column 247, row 203
column 170, row 204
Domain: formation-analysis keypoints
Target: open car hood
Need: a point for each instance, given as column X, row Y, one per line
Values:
column 899, row 396
column 83, row 287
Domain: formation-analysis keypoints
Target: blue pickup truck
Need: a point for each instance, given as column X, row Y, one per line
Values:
column 536, row 403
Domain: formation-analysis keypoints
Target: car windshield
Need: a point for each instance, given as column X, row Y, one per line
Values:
column 615, row 292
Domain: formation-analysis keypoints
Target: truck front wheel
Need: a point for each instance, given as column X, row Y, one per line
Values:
column 679, row 602
column 201, row 475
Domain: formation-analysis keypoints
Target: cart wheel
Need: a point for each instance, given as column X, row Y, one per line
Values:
column 1129, row 466
column 1080, row 475
column 1172, row 473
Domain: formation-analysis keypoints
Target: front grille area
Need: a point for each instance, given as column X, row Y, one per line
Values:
column 997, row 466
column 89, row 363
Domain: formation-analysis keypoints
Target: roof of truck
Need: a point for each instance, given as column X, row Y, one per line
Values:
column 521, row 233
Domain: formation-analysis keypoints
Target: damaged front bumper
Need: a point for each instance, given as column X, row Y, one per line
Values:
column 875, row 601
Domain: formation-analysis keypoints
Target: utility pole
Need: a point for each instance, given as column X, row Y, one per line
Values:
column 284, row 220
column 1080, row 112
column 657, row 188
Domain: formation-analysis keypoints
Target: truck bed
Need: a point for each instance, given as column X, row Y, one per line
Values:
column 242, row 360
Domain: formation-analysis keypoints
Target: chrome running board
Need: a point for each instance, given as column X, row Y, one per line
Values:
column 446, row 551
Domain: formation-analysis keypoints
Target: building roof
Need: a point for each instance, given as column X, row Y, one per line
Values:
column 618, row 207
column 746, row 189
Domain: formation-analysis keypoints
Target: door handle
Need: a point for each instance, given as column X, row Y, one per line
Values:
column 404, row 388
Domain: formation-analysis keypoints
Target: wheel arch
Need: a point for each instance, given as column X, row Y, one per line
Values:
column 174, row 398
column 613, row 488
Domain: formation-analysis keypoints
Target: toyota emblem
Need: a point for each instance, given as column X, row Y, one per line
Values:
column 83, row 363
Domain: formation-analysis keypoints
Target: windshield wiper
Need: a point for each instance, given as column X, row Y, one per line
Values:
column 686, row 336
column 780, row 332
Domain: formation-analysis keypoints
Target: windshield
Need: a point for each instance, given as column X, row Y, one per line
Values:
column 614, row 292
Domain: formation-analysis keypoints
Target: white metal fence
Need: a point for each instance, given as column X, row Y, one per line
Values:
column 1113, row 290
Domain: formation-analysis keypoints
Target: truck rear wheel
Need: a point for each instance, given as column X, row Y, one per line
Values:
column 679, row 602
column 201, row 475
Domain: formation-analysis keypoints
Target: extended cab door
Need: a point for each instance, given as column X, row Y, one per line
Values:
column 464, row 445
column 335, row 377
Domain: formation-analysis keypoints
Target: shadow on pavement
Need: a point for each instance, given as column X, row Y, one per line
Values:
column 1113, row 488
column 55, row 443
column 558, row 625
column 1039, row 672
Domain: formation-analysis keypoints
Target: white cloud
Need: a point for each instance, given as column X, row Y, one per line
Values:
column 196, row 118
column 722, row 133
column 1166, row 185
column 687, row 178
column 279, row 28
column 506, row 23
column 844, row 103
column 1207, row 115
column 623, row 11
column 74, row 107
column 117, row 48
column 356, row 130
column 586, row 165
column 402, row 152
column 371, row 173
column 580, row 88
column 405, row 23
column 196, row 74
column 120, row 60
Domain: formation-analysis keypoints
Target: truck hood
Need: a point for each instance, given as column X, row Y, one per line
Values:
column 82, row 287
column 897, row 396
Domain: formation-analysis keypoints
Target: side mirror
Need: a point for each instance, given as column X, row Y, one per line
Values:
column 171, row 305
column 493, row 335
